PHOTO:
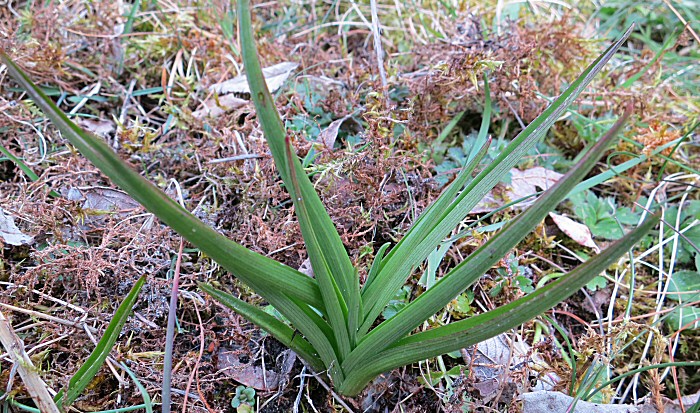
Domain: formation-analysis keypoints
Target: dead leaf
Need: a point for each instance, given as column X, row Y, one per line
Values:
column 576, row 231
column 9, row 231
column 15, row 351
column 102, row 199
column 240, row 367
column 492, row 359
column 305, row 268
column 275, row 76
column 330, row 134
column 551, row 401
column 523, row 184
column 216, row 107
column 100, row 127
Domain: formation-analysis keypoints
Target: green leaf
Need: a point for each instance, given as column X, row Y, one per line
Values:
column 423, row 237
column 94, row 362
column 404, row 257
column 684, row 287
column 269, row 323
column 597, row 283
column 290, row 291
column 684, row 316
column 471, row 268
column 473, row 330
column 27, row 170
column 333, row 270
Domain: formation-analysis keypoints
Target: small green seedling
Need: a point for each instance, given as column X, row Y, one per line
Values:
column 244, row 400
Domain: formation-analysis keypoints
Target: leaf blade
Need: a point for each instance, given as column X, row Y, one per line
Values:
column 468, row 271
column 473, row 330
column 82, row 378
column 397, row 268
column 243, row 263
column 272, row 325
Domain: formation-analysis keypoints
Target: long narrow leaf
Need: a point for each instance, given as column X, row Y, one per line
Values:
column 254, row 269
column 94, row 362
column 435, row 212
column 333, row 299
column 27, row 170
column 473, row 330
column 316, row 227
column 290, row 291
column 270, row 324
column 399, row 263
column 469, row 270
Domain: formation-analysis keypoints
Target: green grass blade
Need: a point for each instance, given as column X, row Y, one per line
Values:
column 474, row 266
column 664, row 48
column 254, row 269
column 473, row 330
column 148, row 404
column 267, row 322
column 92, row 365
column 397, row 267
column 318, row 225
column 618, row 170
column 27, row 170
column 376, row 264
column 20, row 164
column 333, row 299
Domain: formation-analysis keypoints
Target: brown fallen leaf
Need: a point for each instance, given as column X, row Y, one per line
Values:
column 217, row 106
column 523, row 184
column 9, row 233
column 580, row 233
column 241, row 367
column 275, row 76
column 100, row 127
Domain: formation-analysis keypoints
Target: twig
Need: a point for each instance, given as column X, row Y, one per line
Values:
column 170, row 334
column 37, row 314
column 199, row 357
column 686, row 24
column 378, row 50
column 334, row 394
column 235, row 158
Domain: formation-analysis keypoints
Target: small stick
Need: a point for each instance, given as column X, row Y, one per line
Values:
column 170, row 334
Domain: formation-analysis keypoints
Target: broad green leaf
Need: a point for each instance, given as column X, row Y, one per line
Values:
column 687, row 316
column 476, row 264
column 94, row 362
column 473, row 330
column 684, row 286
column 419, row 243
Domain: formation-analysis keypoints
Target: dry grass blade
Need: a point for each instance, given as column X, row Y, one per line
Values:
column 29, row 374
